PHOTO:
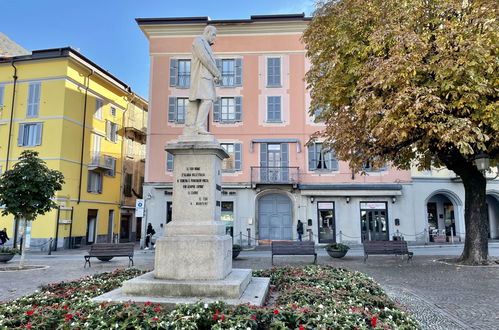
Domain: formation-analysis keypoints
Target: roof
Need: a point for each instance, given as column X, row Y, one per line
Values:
column 9, row 48
column 208, row 20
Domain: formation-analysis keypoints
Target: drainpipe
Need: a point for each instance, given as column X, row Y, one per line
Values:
column 83, row 134
column 11, row 114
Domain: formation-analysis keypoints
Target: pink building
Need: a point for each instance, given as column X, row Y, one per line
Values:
column 272, row 179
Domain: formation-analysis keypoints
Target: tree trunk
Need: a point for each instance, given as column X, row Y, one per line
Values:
column 476, row 247
column 23, row 235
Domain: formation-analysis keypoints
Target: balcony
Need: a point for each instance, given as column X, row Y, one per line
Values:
column 275, row 175
column 99, row 162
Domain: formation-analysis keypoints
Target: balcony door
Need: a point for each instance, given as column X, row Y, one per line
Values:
column 274, row 162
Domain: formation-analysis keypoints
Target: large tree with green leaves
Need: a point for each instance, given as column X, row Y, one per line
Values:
column 411, row 82
column 27, row 190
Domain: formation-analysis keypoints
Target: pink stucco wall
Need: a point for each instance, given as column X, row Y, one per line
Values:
column 296, row 123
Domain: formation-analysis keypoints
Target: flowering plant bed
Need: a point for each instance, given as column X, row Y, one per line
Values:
column 304, row 297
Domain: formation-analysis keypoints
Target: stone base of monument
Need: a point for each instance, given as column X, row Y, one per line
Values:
column 237, row 288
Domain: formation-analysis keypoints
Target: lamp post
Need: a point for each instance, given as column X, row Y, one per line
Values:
column 482, row 161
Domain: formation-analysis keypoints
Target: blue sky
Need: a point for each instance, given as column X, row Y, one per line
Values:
column 105, row 31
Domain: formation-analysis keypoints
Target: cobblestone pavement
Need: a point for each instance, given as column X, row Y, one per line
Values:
column 439, row 295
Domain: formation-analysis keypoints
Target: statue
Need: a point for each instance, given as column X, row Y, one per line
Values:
column 204, row 75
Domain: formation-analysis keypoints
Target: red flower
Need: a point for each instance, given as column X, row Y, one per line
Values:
column 293, row 306
column 223, row 317
column 215, row 317
column 68, row 316
column 155, row 318
column 30, row 312
column 302, row 327
column 276, row 311
column 253, row 317
column 148, row 303
column 373, row 321
column 217, row 312
column 157, row 309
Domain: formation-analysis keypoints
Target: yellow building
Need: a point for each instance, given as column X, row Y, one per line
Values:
column 61, row 104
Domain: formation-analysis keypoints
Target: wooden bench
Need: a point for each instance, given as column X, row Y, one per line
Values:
column 293, row 248
column 107, row 251
column 386, row 247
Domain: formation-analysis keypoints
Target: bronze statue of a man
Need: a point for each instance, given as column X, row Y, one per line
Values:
column 204, row 75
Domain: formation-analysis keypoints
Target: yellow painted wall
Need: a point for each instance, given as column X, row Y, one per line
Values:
column 62, row 100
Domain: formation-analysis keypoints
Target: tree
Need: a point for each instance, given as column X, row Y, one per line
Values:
column 26, row 191
column 411, row 82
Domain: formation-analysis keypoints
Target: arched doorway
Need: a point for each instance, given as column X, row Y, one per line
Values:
column 441, row 210
column 493, row 214
column 275, row 217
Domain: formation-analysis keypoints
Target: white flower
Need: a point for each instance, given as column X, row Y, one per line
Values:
column 205, row 305
column 321, row 306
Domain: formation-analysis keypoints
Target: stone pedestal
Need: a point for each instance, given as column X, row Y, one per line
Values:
column 193, row 260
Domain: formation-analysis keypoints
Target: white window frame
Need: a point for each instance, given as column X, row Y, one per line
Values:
column 228, row 77
column 279, row 84
column 181, row 103
column 228, row 164
column 95, row 187
column 184, row 76
column 28, row 140
column 227, row 109
column 99, row 105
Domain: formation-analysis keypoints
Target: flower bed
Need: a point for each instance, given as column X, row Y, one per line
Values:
column 301, row 298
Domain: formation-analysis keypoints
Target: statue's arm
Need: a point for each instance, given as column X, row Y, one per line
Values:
column 205, row 58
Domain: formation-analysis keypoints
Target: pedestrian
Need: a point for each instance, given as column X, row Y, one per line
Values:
column 150, row 232
column 3, row 236
column 299, row 229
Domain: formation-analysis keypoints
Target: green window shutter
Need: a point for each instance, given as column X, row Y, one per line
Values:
column 216, row 109
column 169, row 162
column 312, row 162
column 238, row 81
column 239, row 108
column 20, row 137
column 237, row 156
column 173, row 72
column 172, row 104
column 38, row 129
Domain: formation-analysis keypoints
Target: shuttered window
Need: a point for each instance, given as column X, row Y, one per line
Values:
column 180, row 73
column 177, row 107
column 273, row 108
column 233, row 163
column 228, row 109
column 111, row 131
column 33, row 100
column 110, row 162
column 231, row 70
column 369, row 167
column 98, row 108
column 274, row 72
column 321, row 160
column 94, row 184
column 2, row 92
column 169, row 162
column 127, row 188
column 30, row 134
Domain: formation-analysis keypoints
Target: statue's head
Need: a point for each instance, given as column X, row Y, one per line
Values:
column 210, row 33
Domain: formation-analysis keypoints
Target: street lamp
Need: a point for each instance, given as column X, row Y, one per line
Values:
column 482, row 161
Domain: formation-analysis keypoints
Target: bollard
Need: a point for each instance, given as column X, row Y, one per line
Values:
column 241, row 238
column 341, row 238
column 310, row 235
column 452, row 235
column 249, row 236
column 50, row 246
column 426, row 237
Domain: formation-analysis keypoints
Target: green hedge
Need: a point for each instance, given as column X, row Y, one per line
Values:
column 307, row 297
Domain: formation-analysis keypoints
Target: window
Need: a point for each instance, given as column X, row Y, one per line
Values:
column 94, row 182
column 177, row 107
column 112, row 111
column 127, row 188
column 30, row 134
column 1, row 170
column 320, row 159
column 368, row 166
column 233, row 163
column 2, row 92
column 227, row 216
column 98, row 109
column 33, row 100
column 231, row 70
column 274, row 71
column 110, row 162
column 169, row 162
column 227, row 109
column 317, row 114
column 273, row 108
column 111, row 131
column 129, row 148
column 180, row 73
column 143, row 151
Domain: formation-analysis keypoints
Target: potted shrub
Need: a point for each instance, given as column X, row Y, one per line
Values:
column 337, row 250
column 236, row 249
column 7, row 253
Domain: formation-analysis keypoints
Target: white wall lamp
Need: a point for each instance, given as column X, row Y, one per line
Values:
column 348, row 199
column 394, row 199
column 312, row 199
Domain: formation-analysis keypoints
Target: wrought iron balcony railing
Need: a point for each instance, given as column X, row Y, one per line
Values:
column 274, row 175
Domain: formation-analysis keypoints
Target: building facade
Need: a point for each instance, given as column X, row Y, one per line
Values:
column 71, row 111
column 275, row 175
